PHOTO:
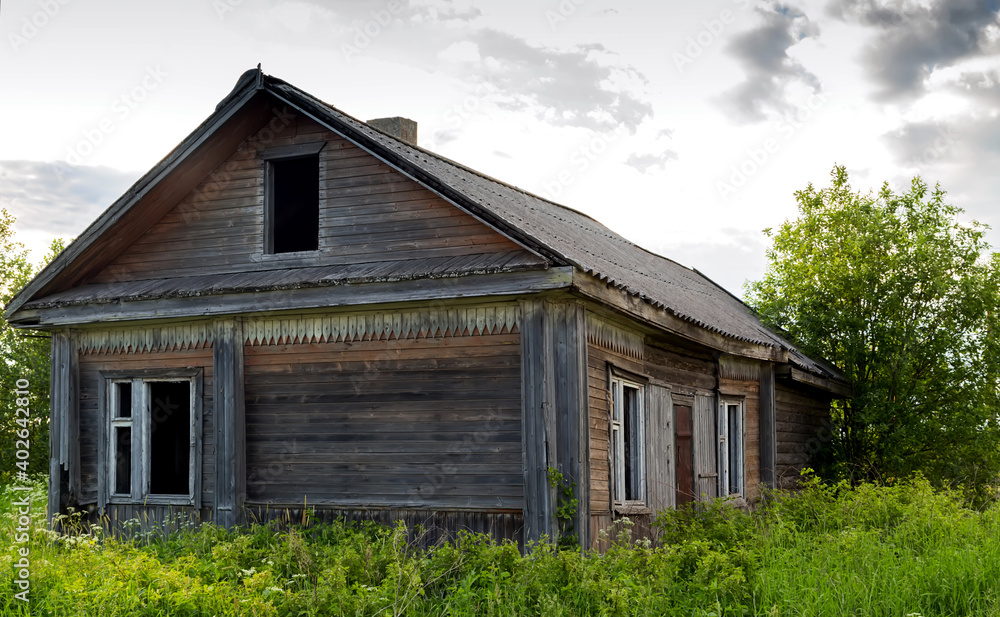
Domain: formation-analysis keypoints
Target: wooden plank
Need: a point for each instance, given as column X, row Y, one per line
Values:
column 538, row 509
column 568, row 327
column 705, row 444
column 768, row 427
column 660, row 485
column 230, row 438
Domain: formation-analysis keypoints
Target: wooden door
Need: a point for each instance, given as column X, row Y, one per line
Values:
column 683, row 454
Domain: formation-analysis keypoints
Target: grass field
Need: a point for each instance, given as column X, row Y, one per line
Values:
column 901, row 550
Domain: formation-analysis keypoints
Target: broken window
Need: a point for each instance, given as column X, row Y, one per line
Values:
column 153, row 448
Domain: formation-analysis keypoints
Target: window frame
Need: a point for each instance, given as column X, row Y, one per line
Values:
column 141, row 424
column 725, row 441
column 616, row 436
column 284, row 153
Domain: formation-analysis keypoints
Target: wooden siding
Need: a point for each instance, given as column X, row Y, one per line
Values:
column 749, row 391
column 803, row 426
column 368, row 213
column 681, row 372
column 420, row 423
column 126, row 520
column 426, row 527
column 90, row 366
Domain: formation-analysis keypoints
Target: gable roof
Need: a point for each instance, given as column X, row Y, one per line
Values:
column 564, row 235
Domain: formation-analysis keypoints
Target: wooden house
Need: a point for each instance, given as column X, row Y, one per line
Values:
column 296, row 309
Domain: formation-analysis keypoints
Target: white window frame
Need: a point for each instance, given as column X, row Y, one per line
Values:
column 617, row 437
column 727, row 435
column 141, row 424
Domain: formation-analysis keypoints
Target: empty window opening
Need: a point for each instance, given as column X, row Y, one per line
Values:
column 169, row 437
column 123, row 460
column 294, row 204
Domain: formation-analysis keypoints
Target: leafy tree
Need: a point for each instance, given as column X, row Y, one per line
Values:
column 901, row 295
column 23, row 355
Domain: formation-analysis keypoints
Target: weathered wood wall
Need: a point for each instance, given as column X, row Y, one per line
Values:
column 368, row 213
column 92, row 362
column 683, row 372
column 803, row 427
column 131, row 519
column 415, row 423
column 426, row 527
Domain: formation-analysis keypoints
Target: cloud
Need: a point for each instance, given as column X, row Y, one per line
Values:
column 56, row 199
column 584, row 86
column 650, row 163
column 915, row 39
column 763, row 52
column 960, row 153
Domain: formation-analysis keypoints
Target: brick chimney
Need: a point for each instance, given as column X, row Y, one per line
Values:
column 400, row 128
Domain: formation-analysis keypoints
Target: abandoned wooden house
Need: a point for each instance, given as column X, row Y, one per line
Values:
column 296, row 309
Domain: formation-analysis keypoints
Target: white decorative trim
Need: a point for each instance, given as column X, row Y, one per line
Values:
column 739, row 369
column 614, row 338
column 146, row 339
column 383, row 326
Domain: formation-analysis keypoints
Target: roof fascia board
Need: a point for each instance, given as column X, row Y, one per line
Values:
column 427, row 180
column 832, row 386
column 198, row 307
column 660, row 319
column 124, row 204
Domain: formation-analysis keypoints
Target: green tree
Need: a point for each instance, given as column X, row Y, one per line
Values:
column 23, row 355
column 901, row 295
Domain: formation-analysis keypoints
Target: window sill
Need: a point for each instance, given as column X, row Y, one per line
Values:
column 292, row 256
column 632, row 508
column 159, row 500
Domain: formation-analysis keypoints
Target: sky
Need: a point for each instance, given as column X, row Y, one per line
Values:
column 686, row 127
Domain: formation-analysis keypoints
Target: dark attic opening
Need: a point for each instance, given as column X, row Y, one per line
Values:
column 170, row 437
column 294, row 204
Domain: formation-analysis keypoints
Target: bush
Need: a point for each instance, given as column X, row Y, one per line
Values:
column 899, row 549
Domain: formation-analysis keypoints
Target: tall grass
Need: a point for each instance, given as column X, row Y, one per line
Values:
column 827, row 550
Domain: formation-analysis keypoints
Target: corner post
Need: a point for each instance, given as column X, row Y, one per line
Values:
column 554, row 413
column 64, row 442
column 230, row 432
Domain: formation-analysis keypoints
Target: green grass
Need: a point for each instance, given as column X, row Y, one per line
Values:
column 894, row 550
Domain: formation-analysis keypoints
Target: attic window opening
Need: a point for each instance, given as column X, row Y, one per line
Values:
column 292, row 221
